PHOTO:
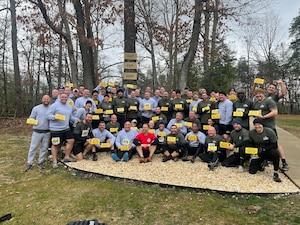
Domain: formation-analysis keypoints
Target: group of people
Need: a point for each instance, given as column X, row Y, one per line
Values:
column 214, row 127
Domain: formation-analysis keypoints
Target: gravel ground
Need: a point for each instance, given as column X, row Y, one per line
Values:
column 187, row 174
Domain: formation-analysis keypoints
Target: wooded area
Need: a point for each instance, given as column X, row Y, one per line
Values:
column 45, row 43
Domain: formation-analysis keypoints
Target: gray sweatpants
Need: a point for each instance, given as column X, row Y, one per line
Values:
column 36, row 139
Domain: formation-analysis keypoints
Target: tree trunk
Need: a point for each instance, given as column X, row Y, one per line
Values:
column 214, row 31
column 206, row 38
column 14, row 41
column 189, row 57
column 68, row 40
column 85, row 48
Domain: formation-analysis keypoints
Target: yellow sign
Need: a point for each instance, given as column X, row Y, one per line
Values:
column 238, row 114
column 213, row 99
column 212, row 148
column 109, row 112
column 60, row 117
column 105, row 145
column 71, row 103
column 188, row 124
column 178, row 106
column 95, row 117
column 259, row 81
column 192, row 138
column 96, row 102
column 103, row 84
column 224, row 144
column 130, row 56
column 194, row 109
column 155, row 118
column 95, row 141
column 251, row 151
column 215, row 116
column 164, row 109
column 162, row 134
column 133, row 128
column 215, row 111
column 254, row 113
column 206, row 127
column 171, row 139
column 99, row 111
column 110, row 99
column 32, row 121
column 206, row 108
column 129, row 76
column 133, row 107
column 188, row 100
column 178, row 125
column 147, row 107
column 124, row 147
column 69, row 85
column 232, row 97
column 130, row 65
column 151, row 131
column 113, row 130
column 120, row 110
column 131, row 86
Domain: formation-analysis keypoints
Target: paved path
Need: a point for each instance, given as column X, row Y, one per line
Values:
column 291, row 147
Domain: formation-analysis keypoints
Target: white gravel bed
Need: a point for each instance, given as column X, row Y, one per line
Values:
column 187, row 174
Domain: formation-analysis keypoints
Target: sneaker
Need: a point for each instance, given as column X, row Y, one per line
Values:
column 211, row 166
column 285, row 166
column 142, row 160
column 54, row 165
column 95, row 157
column 28, row 168
column 167, row 158
column 41, row 166
column 276, row 177
column 69, row 160
column 125, row 157
column 193, row 160
column 175, row 159
column 185, row 159
column 149, row 159
column 86, row 157
column 241, row 169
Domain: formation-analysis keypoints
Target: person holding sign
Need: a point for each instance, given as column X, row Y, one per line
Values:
column 241, row 108
column 165, row 105
column 113, row 126
column 204, row 109
column 145, row 143
column 107, row 109
column 124, row 143
column 107, row 140
column 195, row 142
column 60, row 115
column 159, row 117
column 190, row 120
column 82, row 136
column 174, row 146
column 225, row 110
column 239, row 138
column 119, row 106
column 179, row 104
column 178, row 121
column 264, row 141
column 161, row 134
column 268, row 111
column 40, row 134
column 213, row 153
column 132, row 107
column 147, row 108
column 81, row 101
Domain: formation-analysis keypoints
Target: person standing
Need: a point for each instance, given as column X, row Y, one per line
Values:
column 60, row 115
column 40, row 133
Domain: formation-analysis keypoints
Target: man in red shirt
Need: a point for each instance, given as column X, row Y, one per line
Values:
column 145, row 144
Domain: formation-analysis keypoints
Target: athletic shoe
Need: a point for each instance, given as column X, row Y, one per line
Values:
column 285, row 166
column 241, row 169
column 175, row 159
column 149, row 159
column 95, row 157
column 185, row 159
column 193, row 160
column 142, row 160
column 276, row 177
column 54, row 165
column 28, row 168
column 125, row 157
column 69, row 160
column 41, row 166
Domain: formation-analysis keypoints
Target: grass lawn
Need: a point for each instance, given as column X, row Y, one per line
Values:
column 57, row 196
column 291, row 123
